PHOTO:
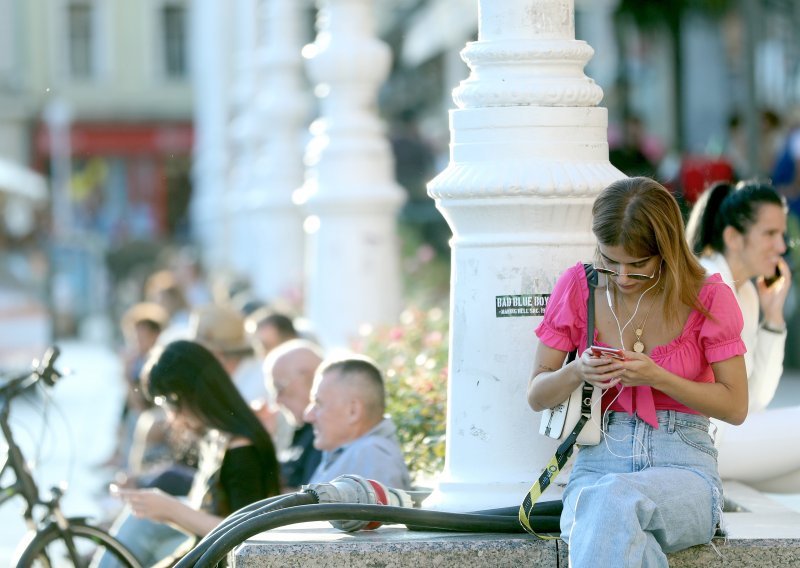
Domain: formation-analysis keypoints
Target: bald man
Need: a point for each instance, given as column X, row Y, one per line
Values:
column 347, row 413
column 289, row 369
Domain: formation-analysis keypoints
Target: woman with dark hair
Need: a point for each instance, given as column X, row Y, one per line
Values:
column 651, row 485
column 237, row 459
column 738, row 231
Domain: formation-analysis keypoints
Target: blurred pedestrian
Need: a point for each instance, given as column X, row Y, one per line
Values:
column 269, row 328
column 786, row 173
column 140, row 325
column 163, row 288
column 290, row 370
column 739, row 231
column 238, row 465
column 629, row 154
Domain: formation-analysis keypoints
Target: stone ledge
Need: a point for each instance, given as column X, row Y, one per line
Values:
column 760, row 532
column 319, row 545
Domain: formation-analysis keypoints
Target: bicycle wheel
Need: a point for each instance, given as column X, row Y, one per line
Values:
column 49, row 549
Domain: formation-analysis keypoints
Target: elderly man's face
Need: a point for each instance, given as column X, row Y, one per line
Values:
column 330, row 412
column 291, row 376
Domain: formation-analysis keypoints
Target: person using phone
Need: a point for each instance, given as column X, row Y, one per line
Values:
column 237, row 465
column 651, row 486
column 739, row 231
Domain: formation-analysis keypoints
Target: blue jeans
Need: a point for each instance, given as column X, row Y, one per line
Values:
column 148, row 540
column 642, row 492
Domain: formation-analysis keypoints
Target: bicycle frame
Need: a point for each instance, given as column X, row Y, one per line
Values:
column 52, row 524
column 24, row 484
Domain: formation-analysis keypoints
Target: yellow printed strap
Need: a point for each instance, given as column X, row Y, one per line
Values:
column 549, row 473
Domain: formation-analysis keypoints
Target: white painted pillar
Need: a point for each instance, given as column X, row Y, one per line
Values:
column 528, row 156
column 283, row 106
column 210, row 169
column 244, row 134
column 350, row 194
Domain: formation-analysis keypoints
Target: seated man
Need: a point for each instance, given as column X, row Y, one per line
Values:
column 346, row 412
column 289, row 371
column 221, row 329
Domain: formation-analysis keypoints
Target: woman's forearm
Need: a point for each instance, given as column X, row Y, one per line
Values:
column 192, row 520
column 724, row 400
column 548, row 387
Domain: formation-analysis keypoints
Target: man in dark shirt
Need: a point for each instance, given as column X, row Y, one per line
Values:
column 290, row 369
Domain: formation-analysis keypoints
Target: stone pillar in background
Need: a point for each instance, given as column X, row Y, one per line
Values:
column 528, row 156
column 210, row 169
column 350, row 194
column 244, row 134
column 282, row 107
column 597, row 28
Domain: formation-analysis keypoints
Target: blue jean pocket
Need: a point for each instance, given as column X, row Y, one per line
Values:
column 696, row 436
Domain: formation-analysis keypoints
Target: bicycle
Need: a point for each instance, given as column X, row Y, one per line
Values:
column 53, row 540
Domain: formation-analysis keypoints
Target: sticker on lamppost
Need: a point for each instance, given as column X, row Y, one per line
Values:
column 520, row 305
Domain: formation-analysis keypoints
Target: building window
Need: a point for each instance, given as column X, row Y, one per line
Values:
column 173, row 28
column 80, row 27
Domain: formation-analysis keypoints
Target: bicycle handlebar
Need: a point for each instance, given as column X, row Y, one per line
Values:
column 44, row 370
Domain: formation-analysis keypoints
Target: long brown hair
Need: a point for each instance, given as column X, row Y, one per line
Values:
column 641, row 216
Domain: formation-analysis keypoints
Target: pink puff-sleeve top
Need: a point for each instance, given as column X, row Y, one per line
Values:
column 702, row 341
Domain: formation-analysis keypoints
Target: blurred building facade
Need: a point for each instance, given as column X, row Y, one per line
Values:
column 97, row 96
column 683, row 68
column 117, row 102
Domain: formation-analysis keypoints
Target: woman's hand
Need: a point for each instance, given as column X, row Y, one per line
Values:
column 151, row 504
column 638, row 369
column 602, row 372
column 773, row 297
column 158, row 506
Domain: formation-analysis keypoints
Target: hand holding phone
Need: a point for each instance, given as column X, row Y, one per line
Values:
column 770, row 280
column 607, row 352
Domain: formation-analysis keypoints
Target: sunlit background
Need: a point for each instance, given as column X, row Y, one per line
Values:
column 100, row 102
column 119, row 118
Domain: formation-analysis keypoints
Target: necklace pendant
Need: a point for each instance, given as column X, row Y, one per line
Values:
column 638, row 347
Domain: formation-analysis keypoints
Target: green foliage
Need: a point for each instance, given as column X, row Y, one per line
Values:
column 413, row 357
column 425, row 269
column 653, row 13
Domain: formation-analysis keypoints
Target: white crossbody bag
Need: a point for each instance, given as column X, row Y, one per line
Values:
column 563, row 419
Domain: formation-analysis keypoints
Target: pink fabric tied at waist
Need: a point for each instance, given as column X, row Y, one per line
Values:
column 644, row 405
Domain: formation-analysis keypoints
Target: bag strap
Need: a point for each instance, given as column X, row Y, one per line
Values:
column 591, row 280
column 564, row 451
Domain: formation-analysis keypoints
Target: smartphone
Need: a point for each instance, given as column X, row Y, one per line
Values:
column 599, row 351
column 770, row 280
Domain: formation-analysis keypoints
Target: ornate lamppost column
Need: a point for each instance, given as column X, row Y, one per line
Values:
column 528, row 156
column 282, row 107
column 350, row 194
column 210, row 169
